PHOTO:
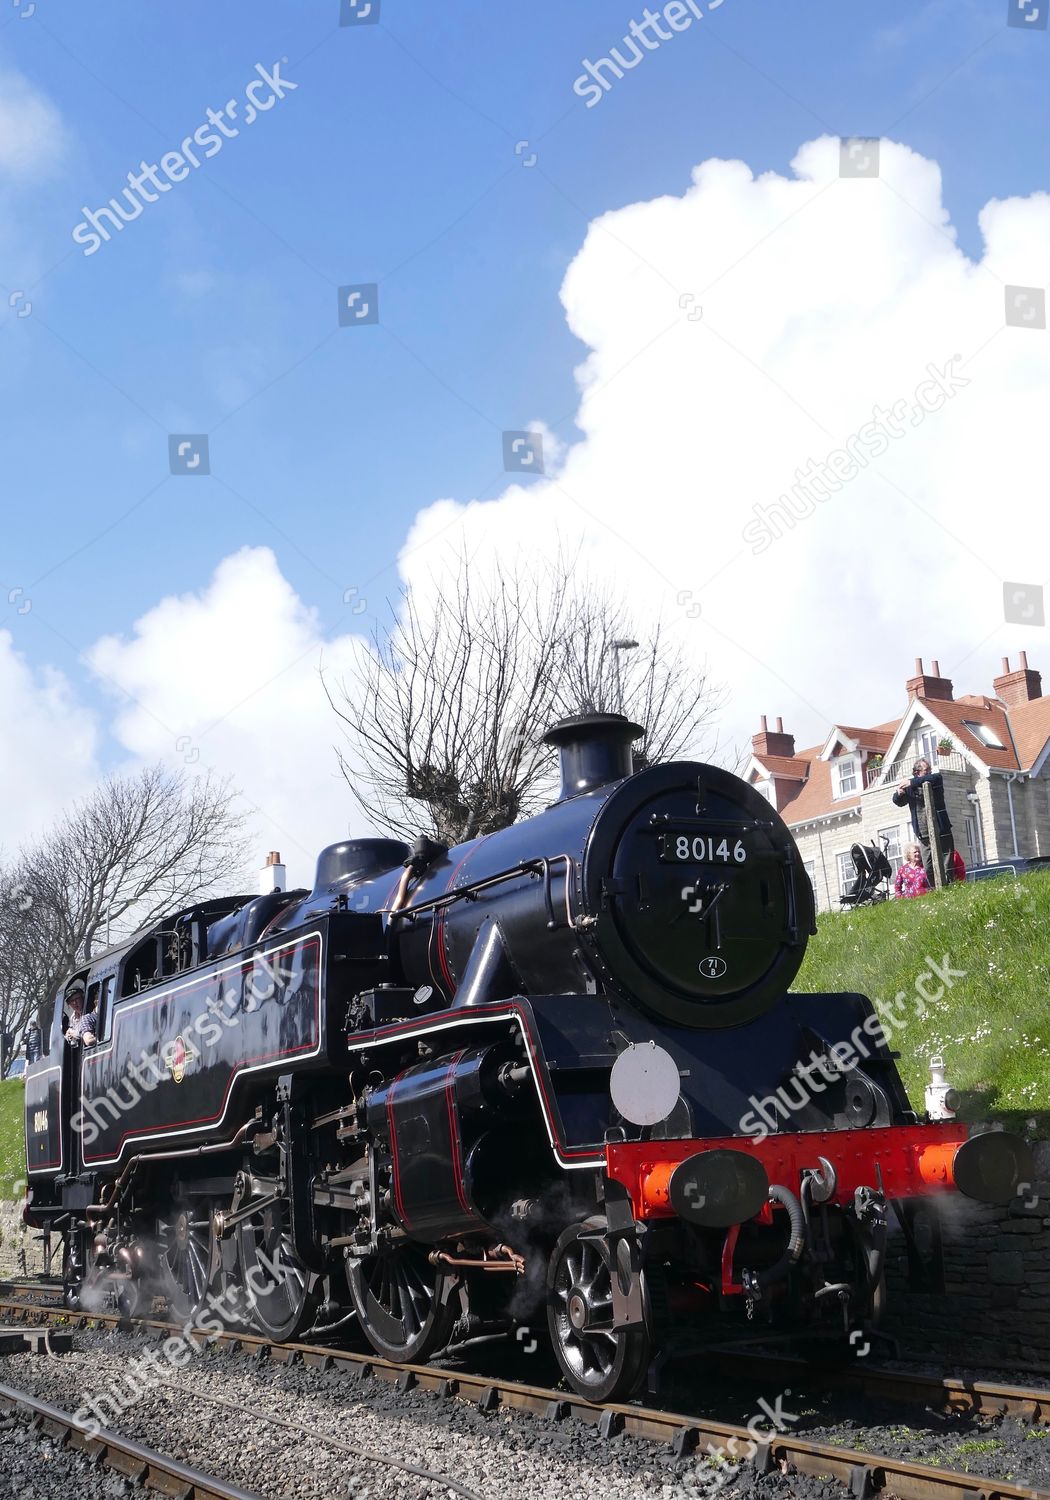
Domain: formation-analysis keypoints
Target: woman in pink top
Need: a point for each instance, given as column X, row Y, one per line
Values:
column 911, row 877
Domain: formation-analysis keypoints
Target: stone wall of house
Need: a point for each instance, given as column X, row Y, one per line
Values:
column 1031, row 813
column 21, row 1249
column 879, row 813
column 991, row 812
column 994, row 1307
column 998, row 829
column 821, row 846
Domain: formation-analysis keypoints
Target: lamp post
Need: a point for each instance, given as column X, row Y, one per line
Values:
column 619, row 646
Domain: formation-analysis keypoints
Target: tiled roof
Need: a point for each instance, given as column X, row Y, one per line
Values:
column 780, row 765
column 951, row 715
column 878, row 738
column 815, row 799
column 1031, row 726
column 1026, row 726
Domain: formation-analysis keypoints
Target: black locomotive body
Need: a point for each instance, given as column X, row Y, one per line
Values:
column 446, row 1088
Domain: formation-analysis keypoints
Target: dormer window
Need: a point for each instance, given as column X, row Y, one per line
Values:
column 845, row 772
column 985, row 733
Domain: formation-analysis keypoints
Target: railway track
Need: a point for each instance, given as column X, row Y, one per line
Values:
column 866, row 1475
column 144, row 1467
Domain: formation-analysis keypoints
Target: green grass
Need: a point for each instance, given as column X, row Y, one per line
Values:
column 992, row 1026
column 12, row 1137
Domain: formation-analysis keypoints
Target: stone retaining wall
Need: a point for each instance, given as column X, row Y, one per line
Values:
column 995, row 1303
column 16, row 1239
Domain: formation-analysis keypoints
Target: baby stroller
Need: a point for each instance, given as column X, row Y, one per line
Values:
column 873, row 876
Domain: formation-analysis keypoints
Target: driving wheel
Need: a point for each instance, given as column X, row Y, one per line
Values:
column 600, row 1362
column 278, row 1291
column 187, row 1257
column 402, row 1302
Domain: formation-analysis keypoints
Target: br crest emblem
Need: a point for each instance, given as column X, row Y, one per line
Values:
column 178, row 1060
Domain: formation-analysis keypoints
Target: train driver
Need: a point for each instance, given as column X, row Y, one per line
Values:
column 81, row 1028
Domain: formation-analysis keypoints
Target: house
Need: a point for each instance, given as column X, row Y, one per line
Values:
column 994, row 753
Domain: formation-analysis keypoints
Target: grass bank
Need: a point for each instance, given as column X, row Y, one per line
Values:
column 992, row 1025
column 12, row 1138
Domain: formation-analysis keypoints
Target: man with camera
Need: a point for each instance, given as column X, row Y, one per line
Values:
column 910, row 794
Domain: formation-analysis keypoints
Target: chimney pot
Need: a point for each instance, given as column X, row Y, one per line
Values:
column 272, row 874
column 1022, row 685
column 936, row 670
column 918, row 666
column 773, row 741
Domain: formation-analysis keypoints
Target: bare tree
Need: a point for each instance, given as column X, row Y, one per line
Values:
column 652, row 680
column 443, row 718
column 137, row 848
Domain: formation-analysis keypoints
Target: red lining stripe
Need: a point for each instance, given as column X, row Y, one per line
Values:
column 162, row 994
column 453, row 1130
column 161, row 1133
column 509, row 1008
column 437, row 931
column 443, row 955
column 395, row 1169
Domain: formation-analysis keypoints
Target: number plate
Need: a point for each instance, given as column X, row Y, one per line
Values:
column 702, row 849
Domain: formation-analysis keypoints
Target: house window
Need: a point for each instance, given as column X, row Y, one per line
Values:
column 810, row 868
column 847, row 871
column 766, row 788
column 928, row 745
column 985, row 733
column 894, row 849
column 845, row 775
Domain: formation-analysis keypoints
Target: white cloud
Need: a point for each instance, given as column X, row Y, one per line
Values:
column 822, row 298
column 32, row 136
column 228, row 678
column 47, row 749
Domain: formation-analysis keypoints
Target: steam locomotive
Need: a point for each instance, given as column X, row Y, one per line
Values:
column 451, row 1090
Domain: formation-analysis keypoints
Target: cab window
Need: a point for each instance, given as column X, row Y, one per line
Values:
column 105, row 1005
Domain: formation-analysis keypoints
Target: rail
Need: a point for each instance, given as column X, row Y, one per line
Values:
column 143, row 1466
column 867, row 1475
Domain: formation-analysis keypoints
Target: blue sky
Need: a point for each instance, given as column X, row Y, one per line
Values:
column 397, row 160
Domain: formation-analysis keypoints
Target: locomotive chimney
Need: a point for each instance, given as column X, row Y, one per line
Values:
column 272, row 874
column 593, row 750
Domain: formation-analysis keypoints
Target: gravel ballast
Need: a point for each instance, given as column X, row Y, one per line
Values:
column 212, row 1416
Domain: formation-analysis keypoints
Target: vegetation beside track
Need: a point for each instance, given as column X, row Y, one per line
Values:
column 992, row 1025
column 12, row 1136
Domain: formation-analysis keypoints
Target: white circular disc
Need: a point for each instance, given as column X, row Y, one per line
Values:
column 645, row 1084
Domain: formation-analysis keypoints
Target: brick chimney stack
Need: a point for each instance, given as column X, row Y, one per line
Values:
column 929, row 684
column 1021, row 686
column 773, row 741
column 272, row 874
